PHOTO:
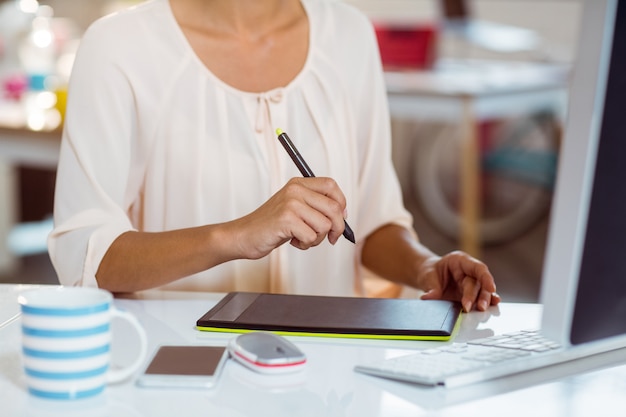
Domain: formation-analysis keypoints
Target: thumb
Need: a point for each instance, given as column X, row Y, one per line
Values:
column 432, row 294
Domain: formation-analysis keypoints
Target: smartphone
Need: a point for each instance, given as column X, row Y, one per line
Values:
column 184, row 367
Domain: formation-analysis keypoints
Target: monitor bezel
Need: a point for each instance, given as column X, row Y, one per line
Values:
column 575, row 175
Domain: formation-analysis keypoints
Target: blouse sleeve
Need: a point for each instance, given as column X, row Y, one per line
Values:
column 90, row 210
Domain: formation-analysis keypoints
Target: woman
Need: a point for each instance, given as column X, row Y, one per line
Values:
column 171, row 174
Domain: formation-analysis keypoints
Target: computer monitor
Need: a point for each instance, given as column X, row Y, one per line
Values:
column 584, row 277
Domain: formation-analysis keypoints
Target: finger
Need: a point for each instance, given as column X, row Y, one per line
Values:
column 332, row 210
column 309, row 227
column 495, row 298
column 470, row 288
column 484, row 300
column 433, row 294
column 322, row 195
column 327, row 187
column 481, row 273
column 463, row 265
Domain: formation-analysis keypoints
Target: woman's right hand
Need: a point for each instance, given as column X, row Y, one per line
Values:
column 303, row 212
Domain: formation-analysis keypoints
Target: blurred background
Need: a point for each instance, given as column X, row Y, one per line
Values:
column 489, row 73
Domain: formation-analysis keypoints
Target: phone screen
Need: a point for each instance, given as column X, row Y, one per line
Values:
column 184, row 366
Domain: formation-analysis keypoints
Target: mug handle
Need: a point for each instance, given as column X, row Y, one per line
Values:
column 118, row 375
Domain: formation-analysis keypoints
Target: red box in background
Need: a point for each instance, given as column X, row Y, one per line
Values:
column 407, row 46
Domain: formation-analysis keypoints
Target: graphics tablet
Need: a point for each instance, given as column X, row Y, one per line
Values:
column 310, row 315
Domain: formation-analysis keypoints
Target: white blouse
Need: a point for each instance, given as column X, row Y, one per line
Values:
column 154, row 141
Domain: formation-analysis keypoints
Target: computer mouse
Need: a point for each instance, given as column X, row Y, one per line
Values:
column 266, row 352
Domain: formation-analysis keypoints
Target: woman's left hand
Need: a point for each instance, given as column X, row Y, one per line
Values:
column 458, row 276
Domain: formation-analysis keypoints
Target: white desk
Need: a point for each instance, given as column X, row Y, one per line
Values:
column 327, row 387
column 466, row 93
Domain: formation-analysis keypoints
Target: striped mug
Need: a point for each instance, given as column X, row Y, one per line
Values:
column 66, row 341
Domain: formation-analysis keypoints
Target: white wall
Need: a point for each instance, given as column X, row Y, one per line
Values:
column 556, row 21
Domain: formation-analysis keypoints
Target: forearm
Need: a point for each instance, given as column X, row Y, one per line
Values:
column 138, row 260
column 393, row 253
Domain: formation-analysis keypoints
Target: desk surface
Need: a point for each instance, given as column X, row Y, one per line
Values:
column 472, row 78
column 327, row 387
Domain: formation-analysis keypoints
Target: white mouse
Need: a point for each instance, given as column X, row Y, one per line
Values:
column 266, row 352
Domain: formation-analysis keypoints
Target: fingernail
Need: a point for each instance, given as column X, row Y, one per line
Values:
column 345, row 213
column 483, row 305
column 467, row 306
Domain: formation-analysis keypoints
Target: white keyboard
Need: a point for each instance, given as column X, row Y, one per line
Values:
column 461, row 363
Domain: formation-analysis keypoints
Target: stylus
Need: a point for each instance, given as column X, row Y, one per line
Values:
column 306, row 172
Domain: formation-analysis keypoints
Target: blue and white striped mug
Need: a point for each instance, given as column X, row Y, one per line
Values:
column 66, row 341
